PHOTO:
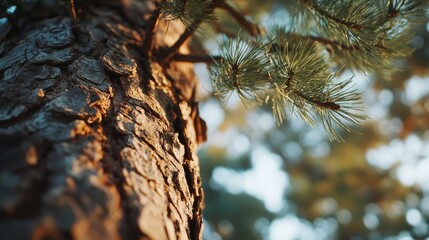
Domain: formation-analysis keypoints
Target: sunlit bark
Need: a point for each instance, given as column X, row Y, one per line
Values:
column 96, row 140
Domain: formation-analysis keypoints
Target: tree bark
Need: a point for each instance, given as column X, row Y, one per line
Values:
column 97, row 140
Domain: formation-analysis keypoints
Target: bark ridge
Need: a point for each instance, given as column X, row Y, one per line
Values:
column 96, row 140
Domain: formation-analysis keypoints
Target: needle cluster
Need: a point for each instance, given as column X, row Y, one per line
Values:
column 367, row 35
column 292, row 67
column 292, row 74
column 187, row 11
column 242, row 68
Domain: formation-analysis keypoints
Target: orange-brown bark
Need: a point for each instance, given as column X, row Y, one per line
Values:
column 96, row 140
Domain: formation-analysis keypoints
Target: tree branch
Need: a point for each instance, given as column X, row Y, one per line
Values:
column 330, row 42
column 325, row 104
column 185, row 35
column 342, row 46
column 250, row 27
column 169, row 53
column 310, row 4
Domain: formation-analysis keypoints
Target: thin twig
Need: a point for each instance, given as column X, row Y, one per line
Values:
column 185, row 35
column 168, row 53
column 324, row 13
column 342, row 46
column 330, row 42
column 191, row 58
column 325, row 104
column 250, row 27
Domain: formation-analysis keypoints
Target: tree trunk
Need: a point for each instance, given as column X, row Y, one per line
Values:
column 97, row 141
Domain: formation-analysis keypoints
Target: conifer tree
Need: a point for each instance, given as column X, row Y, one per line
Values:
column 98, row 131
column 290, row 66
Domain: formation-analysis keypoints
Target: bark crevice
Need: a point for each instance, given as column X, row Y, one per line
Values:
column 116, row 159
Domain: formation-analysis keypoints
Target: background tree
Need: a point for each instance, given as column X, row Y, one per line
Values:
column 369, row 187
column 99, row 110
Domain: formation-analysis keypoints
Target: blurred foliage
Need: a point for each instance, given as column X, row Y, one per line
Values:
column 330, row 180
column 225, row 210
column 324, row 187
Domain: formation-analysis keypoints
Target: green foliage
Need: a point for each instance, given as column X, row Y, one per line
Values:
column 291, row 67
column 367, row 35
column 225, row 207
column 187, row 11
column 292, row 73
column 241, row 69
column 295, row 69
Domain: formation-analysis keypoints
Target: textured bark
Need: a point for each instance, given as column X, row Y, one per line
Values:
column 96, row 140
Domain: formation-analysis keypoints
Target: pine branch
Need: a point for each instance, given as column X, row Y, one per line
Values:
column 337, row 45
column 296, row 76
column 322, row 104
column 392, row 10
column 188, row 11
column 302, row 84
column 310, row 4
column 406, row 8
column 179, row 42
column 289, row 67
column 191, row 13
column 250, row 27
column 241, row 69
column 366, row 35
column 350, row 102
column 331, row 43
column 348, row 22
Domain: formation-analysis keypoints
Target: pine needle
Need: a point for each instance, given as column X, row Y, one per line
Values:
column 242, row 68
column 187, row 11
